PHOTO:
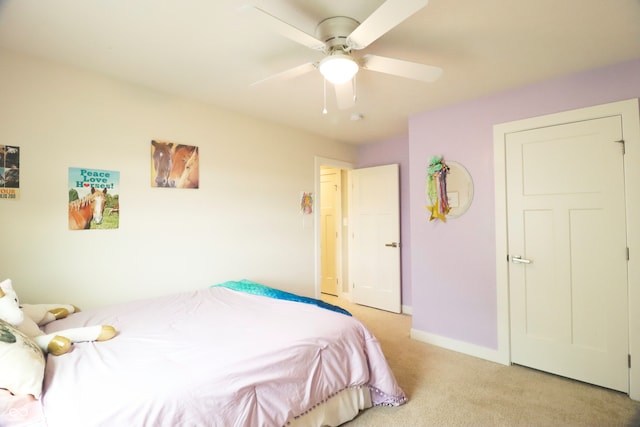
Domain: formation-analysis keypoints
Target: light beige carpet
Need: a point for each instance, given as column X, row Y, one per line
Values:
column 446, row 388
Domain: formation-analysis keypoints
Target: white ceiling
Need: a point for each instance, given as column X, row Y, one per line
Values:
column 212, row 50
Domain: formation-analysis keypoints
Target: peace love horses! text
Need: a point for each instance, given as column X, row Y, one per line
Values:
column 95, row 179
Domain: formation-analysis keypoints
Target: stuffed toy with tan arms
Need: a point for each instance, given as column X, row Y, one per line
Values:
column 28, row 318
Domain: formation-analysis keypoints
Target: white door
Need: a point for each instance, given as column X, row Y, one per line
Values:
column 566, row 223
column 329, row 184
column 375, row 237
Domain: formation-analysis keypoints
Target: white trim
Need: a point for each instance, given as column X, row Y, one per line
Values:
column 630, row 114
column 347, row 296
column 407, row 309
column 459, row 346
column 319, row 162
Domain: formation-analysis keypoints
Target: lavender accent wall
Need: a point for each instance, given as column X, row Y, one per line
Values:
column 384, row 153
column 452, row 266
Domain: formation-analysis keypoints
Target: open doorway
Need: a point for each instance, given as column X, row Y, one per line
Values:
column 331, row 219
column 366, row 214
column 330, row 229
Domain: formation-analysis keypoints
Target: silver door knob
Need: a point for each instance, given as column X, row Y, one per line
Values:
column 517, row 259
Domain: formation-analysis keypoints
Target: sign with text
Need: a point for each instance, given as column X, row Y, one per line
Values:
column 94, row 199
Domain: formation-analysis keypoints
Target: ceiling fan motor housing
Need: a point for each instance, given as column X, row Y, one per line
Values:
column 334, row 32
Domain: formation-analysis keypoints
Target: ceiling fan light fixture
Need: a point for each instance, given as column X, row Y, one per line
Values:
column 338, row 67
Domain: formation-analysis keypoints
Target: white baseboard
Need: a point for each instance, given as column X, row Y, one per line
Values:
column 407, row 309
column 460, row 346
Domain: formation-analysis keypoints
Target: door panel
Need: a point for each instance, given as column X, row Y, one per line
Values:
column 375, row 255
column 329, row 182
column 566, row 214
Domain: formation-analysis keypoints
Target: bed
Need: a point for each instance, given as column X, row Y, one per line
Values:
column 235, row 354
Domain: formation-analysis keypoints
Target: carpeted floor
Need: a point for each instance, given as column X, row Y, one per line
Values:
column 446, row 388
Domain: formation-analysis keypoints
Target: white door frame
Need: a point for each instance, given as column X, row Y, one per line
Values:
column 630, row 114
column 319, row 162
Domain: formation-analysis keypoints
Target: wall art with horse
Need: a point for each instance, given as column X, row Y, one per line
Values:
column 174, row 165
column 94, row 200
column 9, row 172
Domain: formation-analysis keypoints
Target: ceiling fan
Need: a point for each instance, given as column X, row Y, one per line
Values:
column 339, row 36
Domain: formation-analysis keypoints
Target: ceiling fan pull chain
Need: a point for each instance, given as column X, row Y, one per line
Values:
column 354, row 86
column 324, row 96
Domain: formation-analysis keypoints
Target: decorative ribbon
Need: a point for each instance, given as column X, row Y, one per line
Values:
column 437, row 188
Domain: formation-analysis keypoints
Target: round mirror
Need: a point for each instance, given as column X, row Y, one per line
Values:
column 459, row 189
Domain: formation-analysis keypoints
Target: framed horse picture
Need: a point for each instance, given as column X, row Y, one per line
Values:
column 174, row 165
column 93, row 199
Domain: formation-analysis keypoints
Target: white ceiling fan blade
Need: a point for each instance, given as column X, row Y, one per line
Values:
column 345, row 95
column 384, row 18
column 287, row 30
column 290, row 73
column 399, row 67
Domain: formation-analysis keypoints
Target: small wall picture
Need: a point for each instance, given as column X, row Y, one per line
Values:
column 94, row 199
column 9, row 172
column 306, row 203
column 174, row 165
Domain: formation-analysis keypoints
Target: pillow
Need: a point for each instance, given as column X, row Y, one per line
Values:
column 21, row 362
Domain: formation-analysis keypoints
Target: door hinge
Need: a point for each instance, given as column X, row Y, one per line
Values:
column 621, row 142
column 629, row 360
column 627, row 253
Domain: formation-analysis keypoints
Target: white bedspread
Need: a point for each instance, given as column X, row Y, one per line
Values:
column 212, row 357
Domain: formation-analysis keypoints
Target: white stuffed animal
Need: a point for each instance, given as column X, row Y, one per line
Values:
column 29, row 317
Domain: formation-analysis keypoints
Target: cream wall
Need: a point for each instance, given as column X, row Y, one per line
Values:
column 243, row 222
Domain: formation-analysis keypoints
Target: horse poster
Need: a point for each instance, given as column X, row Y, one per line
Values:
column 9, row 172
column 174, row 165
column 93, row 199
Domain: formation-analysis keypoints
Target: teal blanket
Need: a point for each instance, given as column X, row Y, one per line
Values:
column 257, row 289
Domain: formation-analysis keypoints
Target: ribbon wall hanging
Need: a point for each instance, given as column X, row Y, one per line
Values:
column 437, row 188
